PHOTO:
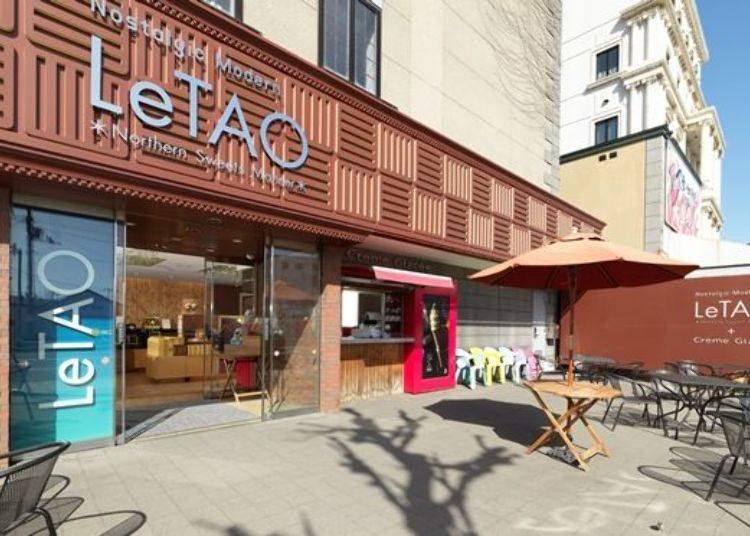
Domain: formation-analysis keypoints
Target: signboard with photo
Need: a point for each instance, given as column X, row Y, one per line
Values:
column 683, row 192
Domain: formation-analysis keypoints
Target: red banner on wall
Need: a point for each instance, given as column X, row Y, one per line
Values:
column 706, row 320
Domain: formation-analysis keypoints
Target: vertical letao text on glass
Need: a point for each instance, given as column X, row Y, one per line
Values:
column 62, row 357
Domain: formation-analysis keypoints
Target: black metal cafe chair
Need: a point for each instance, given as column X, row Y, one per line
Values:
column 634, row 393
column 24, row 482
column 667, row 394
column 737, row 433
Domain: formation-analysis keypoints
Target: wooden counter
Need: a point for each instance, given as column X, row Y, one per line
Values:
column 372, row 370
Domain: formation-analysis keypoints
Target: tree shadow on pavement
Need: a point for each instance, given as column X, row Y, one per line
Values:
column 519, row 423
column 419, row 478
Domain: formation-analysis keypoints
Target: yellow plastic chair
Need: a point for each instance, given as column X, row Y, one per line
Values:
column 494, row 364
column 480, row 360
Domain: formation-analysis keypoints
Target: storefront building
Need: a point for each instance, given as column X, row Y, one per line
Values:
column 201, row 228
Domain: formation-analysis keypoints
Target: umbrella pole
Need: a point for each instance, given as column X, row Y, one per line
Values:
column 572, row 292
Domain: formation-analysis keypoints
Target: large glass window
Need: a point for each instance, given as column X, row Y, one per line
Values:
column 350, row 41
column 372, row 313
column 607, row 62
column 62, row 368
column 605, row 130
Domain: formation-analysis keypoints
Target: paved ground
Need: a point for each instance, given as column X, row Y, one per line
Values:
column 435, row 464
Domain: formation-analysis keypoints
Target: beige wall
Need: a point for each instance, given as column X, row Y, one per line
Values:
column 612, row 190
column 485, row 74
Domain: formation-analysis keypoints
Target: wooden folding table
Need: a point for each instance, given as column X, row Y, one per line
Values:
column 581, row 397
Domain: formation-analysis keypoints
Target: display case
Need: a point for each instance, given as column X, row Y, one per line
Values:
column 371, row 313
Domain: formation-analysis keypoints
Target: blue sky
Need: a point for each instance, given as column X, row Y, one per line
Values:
column 726, row 81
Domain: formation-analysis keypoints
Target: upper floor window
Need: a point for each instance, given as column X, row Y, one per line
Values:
column 233, row 8
column 605, row 130
column 607, row 62
column 350, row 41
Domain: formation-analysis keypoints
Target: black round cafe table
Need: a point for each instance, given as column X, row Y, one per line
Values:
column 697, row 392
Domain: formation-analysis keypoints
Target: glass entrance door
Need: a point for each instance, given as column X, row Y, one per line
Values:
column 234, row 328
column 292, row 364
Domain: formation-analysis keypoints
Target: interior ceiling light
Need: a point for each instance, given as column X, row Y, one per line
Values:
column 236, row 241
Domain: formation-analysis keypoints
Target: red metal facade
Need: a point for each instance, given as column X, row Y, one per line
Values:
column 370, row 169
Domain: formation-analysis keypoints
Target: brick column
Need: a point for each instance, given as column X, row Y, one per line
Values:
column 4, row 319
column 330, row 326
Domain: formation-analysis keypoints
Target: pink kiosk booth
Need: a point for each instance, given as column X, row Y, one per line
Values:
column 430, row 362
column 425, row 326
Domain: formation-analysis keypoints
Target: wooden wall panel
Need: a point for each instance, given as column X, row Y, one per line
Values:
column 396, row 154
column 163, row 298
column 65, row 29
column 357, row 192
column 502, row 235
column 429, row 168
column 520, row 239
column 396, row 201
column 501, row 201
column 552, row 229
column 429, row 213
column 457, row 179
column 315, row 112
column 481, row 192
column 371, row 370
column 356, row 138
column 456, row 216
column 520, row 207
column 537, row 214
column 536, row 239
column 481, row 229
column 8, row 16
column 8, row 102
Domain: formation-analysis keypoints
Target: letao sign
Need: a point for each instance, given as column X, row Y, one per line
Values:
column 62, row 371
column 153, row 106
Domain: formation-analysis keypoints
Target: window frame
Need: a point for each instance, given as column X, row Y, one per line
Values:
column 238, row 9
column 606, row 119
column 382, row 293
column 607, row 50
column 368, row 4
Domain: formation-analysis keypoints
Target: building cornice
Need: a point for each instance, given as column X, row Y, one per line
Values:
column 714, row 211
column 692, row 14
column 658, row 70
column 695, row 23
column 711, row 115
column 672, row 24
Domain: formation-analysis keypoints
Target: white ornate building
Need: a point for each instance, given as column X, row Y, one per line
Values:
column 630, row 67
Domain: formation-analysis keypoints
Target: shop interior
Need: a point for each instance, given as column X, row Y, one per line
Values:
column 192, row 316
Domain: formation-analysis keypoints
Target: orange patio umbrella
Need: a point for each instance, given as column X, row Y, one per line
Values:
column 580, row 262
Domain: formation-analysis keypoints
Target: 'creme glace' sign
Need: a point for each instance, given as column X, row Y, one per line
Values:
column 153, row 106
